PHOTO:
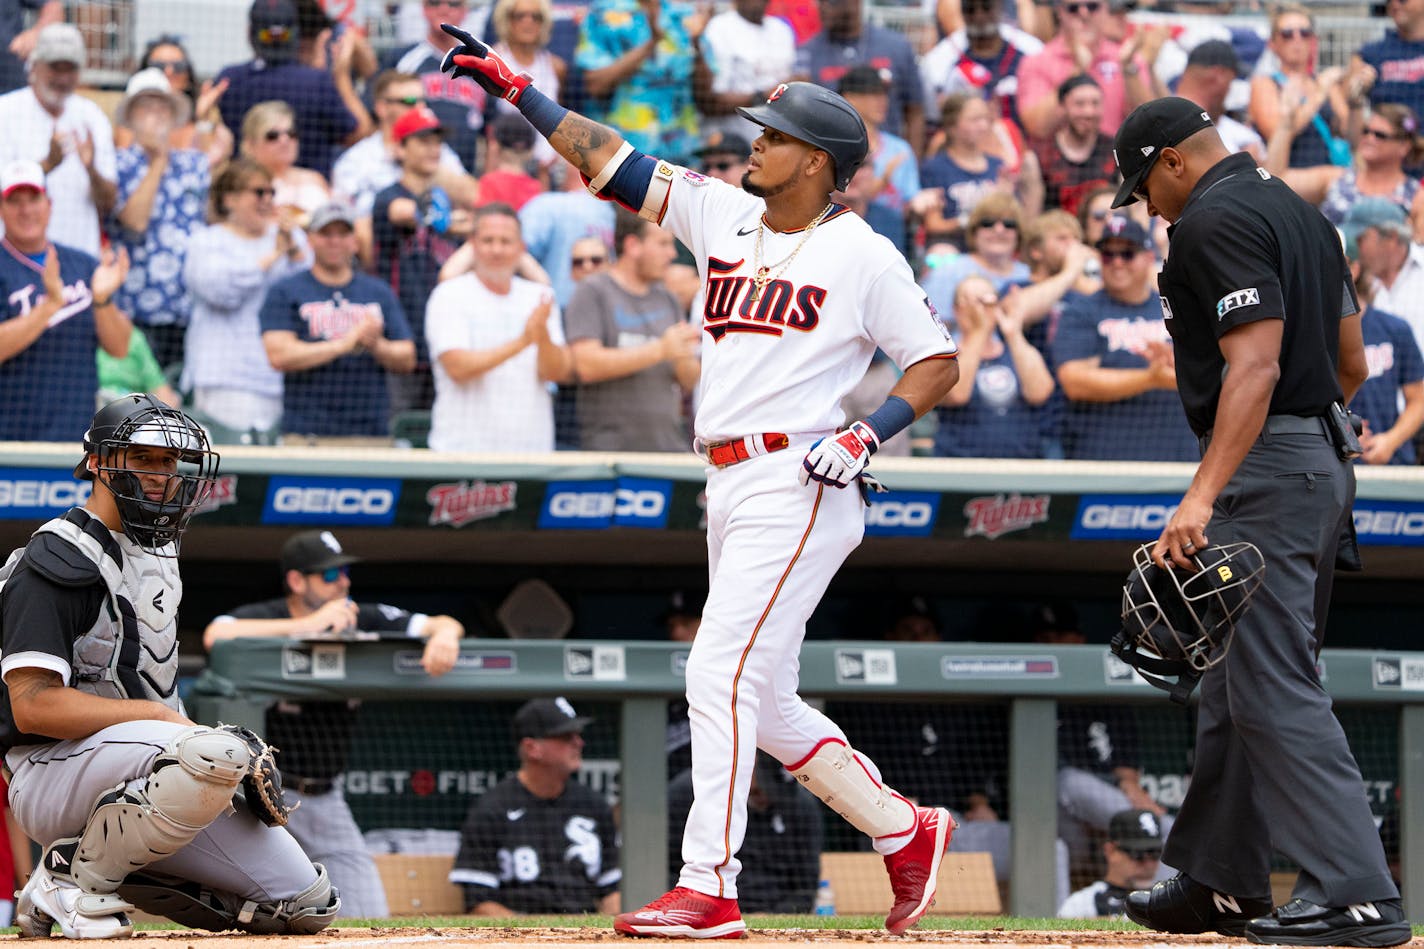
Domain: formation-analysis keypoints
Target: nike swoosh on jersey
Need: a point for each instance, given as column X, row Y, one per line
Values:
column 514, row 815
column 742, row 233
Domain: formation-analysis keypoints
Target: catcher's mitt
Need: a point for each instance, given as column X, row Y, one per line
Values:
column 262, row 787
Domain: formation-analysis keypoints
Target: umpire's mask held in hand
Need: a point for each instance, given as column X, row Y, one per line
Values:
column 1176, row 623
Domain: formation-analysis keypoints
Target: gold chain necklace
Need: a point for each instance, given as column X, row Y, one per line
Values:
column 763, row 275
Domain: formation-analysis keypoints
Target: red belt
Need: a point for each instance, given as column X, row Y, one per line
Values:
column 723, row 454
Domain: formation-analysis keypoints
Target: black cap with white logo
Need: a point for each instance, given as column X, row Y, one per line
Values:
column 1150, row 128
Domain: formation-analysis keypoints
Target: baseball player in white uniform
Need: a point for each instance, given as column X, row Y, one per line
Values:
column 798, row 294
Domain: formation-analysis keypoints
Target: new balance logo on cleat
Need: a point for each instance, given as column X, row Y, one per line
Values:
column 1225, row 903
column 1360, row 911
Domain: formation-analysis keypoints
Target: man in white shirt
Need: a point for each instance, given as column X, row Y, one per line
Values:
column 67, row 134
column 742, row 55
column 496, row 341
column 371, row 164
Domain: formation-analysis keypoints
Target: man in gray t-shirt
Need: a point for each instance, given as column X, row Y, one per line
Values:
column 634, row 352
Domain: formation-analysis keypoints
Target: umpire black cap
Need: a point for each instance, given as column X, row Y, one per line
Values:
column 818, row 117
column 1150, row 128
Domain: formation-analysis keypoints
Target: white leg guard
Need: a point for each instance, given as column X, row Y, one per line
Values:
column 192, row 784
column 198, row 907
column 837, row 776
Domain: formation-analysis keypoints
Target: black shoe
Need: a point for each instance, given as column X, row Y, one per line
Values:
column 1303, row 923
column 1182, row 905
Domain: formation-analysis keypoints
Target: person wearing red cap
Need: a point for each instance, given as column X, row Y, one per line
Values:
column 414, row 229
column 59, row 300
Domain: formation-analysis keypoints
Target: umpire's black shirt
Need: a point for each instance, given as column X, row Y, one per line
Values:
column 1247, row 248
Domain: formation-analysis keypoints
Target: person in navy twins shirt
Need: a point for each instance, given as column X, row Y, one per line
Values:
column 58, row 302
column 335, row 332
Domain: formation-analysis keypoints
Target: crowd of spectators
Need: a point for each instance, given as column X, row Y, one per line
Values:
column 322, row 240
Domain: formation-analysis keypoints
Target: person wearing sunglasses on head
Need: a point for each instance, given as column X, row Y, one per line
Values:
column 372, row 164
column 1389, row 144
column 1114, row 360
column 203, row 129
column 524, row 28
column 314, row 737
column 1133, row 852
column 1080, row 47
column 1321, row 123
column 231, row 264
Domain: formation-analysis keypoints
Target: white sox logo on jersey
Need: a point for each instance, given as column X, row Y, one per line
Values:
column 781, row 306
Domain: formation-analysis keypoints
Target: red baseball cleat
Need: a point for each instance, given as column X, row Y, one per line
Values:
column 914, row 869
column 684, row 914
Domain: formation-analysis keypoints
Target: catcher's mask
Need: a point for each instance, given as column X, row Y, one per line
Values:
column 1179, row 624
column 153, row 512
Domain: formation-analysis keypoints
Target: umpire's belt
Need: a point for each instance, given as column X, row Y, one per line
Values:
column 1285, row 425
column 722, row 454
column 307, row 785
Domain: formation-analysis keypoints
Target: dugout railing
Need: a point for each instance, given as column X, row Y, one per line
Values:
column 244, row 676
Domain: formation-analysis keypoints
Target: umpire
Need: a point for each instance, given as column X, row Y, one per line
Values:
column 1266, row 332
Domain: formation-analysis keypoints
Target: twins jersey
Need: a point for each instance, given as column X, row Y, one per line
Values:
column 784, row 361
column 65, row 350
column 537, row 855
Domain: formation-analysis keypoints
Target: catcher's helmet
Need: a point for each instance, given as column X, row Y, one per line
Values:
column 819, row 117
column 1178, row 623
column 140, row 420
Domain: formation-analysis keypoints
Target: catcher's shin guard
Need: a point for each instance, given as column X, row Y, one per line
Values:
column 197, row 907
column 191, row 785
column 836, row 774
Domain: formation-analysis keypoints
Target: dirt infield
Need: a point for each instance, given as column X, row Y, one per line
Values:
column 488, row 937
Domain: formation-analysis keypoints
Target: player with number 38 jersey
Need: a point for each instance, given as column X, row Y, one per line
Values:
column 798, row 294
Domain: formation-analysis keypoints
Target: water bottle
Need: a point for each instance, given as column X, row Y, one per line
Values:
column 437, row 212
column 825, row 899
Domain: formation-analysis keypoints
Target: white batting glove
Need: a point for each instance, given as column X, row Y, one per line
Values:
column 838, row 460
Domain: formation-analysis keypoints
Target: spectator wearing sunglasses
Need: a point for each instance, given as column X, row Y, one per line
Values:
column 1321, row 123
column 460, row 103
column 1080, row 46
column 203, row 128
column 1115, row 361
column 315, row 737
column 231, row 263
column 524, row 28
column 1389, row 144
column 269, row 137
column 328, row 113
column 1133, row 852
column 372, row 165
column 994, row 232
column 724, row 156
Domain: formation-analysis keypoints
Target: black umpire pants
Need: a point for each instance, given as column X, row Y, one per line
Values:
column 1272, row 767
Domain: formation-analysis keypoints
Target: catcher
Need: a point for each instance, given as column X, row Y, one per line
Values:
column 106, row 771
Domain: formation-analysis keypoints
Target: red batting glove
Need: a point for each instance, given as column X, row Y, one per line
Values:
column 839, row 460
column 480, row 63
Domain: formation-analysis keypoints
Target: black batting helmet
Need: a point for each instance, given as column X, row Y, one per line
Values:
column 1179, row 623
column 155, row 520
column 819, row 117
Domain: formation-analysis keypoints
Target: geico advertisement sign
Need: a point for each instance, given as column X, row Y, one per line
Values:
column 30, row 493
column 1123, row 516
column 902, row 514
column 592, row 505
column 1393, row 523
column 367, row 502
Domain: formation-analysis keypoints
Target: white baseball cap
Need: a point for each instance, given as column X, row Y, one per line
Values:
column 21, row 173
column 59, row 43
column 152, row 82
